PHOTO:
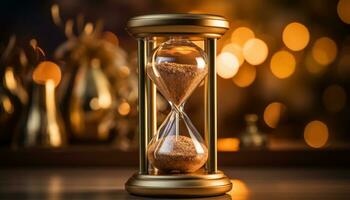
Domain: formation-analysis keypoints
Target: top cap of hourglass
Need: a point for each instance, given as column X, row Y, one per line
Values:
column 201, row 25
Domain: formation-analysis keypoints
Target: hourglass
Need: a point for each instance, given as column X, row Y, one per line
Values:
column 174, row 158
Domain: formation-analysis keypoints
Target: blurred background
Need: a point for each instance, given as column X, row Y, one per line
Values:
column 283, row 81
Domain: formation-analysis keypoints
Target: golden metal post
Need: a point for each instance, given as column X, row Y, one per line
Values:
column 143, row 114
column 211, row 106
column 152, row 100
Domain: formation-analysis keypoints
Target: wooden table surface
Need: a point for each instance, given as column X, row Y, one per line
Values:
column 108, row 183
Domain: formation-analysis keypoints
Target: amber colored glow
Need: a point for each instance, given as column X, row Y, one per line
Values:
column 102, row 85
column 241, row 35
column 89, row 28
column 124, row 108
column 45, row 71
column 324, row 51
column 228, row 144
column 110, row 37
column 245, row 76
column 296, row 36
column 272, row 114
column 53, row 129
column 334, row 98
column 227, row 65
column 316, row 134
column 236, row 50
column 9, row 79
column 94, row 104
column 33, row 43
column 282, row 64
column 239, row 190
column 55, row 14
column 6, row 104
column 343, row 10
column 314, row 67
column 255, row 51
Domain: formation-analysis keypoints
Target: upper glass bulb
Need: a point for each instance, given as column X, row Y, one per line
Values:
column 177, row 67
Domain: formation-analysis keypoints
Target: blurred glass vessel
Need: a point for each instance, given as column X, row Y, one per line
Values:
column 41, row 124
column 94, row 86
column 90, row 103
column 251, row 138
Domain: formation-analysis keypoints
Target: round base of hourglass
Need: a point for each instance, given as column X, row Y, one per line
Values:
column 179, row 185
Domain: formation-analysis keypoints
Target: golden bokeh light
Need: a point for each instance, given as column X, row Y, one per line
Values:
column 228, row 144
column 89, row 28
column 227, row 65
column 55, row 14
column 236, row 50
column 124, row 108
column 316, row 134
column 94, row 105
column 282, row 64
column 255, row 51
column 245, row 76
column 312, row 66
column 343, row 10
column 241, row 35
column 324, row 51
column 272, row 114
column 46, row 71
column 295, row 36
column 6, row 104
column 9, row 79
column 334, row 98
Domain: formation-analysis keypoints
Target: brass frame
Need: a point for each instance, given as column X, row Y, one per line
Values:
column 146, row 182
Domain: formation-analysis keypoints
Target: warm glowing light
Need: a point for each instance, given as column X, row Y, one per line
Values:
column 236, row 50
column 23, row 58
column 282, row 64
column 102, row 84
column 124, row 71
column 10, row 80
column 110, row 37
column 55, row 13
column 45, row 71
column 228, row 144
column 312, row 66
column 334, row 98
column 255, row 51
column 241, row 35
column 89, row 28
column 68, row 28
column 245, row 76
column 343, row 9
column 54, row 132
column 316, row 134
column 94, row 104
column 272, row 114
column 7, row 104
column 227, row 65
column 296, row 36
column 124, row 108
column 240, row 189
column 324, row 51
column 33, row 43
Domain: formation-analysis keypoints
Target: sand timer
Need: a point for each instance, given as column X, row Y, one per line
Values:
column 174, row 158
